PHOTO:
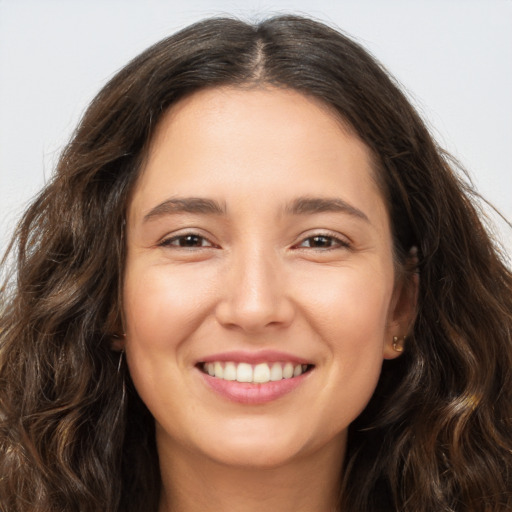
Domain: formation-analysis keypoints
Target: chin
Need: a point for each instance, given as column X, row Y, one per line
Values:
column 256, row 455
column 266, row 448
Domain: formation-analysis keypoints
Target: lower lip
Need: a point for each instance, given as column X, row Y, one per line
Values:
column 248, row 393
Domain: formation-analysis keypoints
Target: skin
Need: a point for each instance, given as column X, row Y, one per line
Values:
column 254, row 278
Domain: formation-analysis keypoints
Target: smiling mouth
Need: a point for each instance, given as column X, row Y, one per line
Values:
column 253, row 373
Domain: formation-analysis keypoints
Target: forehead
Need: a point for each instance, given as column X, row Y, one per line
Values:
column 221, row 109
column 254, row 142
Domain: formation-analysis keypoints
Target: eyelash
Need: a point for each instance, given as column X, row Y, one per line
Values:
column 338, row 243
column 168, row 242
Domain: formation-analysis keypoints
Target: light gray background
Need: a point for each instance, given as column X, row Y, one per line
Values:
column 454, row 57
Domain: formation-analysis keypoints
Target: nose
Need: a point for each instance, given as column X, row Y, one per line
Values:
column 254, row 297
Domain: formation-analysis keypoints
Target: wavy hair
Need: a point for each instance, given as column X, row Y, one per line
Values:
column 75, row 436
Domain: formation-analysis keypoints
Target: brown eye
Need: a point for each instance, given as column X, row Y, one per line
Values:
column 322, row 242
column 187, row 241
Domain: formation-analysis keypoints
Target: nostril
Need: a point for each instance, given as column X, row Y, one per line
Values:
column 251, row 316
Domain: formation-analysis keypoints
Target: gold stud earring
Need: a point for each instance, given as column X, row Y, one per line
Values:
column 396, row 346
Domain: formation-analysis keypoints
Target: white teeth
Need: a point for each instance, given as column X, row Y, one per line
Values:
column 258, row 374
column 244, row 372
column 287, row 371
column 230, row 371
column 261, row 373
column 219, row 371
column 276, row 372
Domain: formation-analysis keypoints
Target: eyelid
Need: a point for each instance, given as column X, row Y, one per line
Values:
column 167, row 240
column 342, row 241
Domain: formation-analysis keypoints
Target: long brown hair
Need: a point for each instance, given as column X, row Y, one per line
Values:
column 74, row 435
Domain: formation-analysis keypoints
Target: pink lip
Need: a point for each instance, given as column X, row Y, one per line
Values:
column 247, row 393
column 262, row 356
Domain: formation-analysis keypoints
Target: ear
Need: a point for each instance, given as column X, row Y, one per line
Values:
column 402, row 313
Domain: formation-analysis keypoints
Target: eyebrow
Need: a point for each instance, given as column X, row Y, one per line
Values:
column 197, row 205
column 308, row 205
column 301, row 206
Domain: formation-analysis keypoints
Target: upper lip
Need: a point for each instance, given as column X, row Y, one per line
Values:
column 261, row 356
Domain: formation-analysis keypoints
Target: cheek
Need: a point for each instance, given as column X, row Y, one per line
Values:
column 348, row 306
column 163, row 305
column 348, row 312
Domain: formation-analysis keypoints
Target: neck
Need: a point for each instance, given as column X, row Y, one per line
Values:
column 192, row 483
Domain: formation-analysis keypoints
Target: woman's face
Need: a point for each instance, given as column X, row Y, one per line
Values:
column 260, row 295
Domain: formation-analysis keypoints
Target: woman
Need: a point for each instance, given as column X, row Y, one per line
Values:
column 255, row 281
